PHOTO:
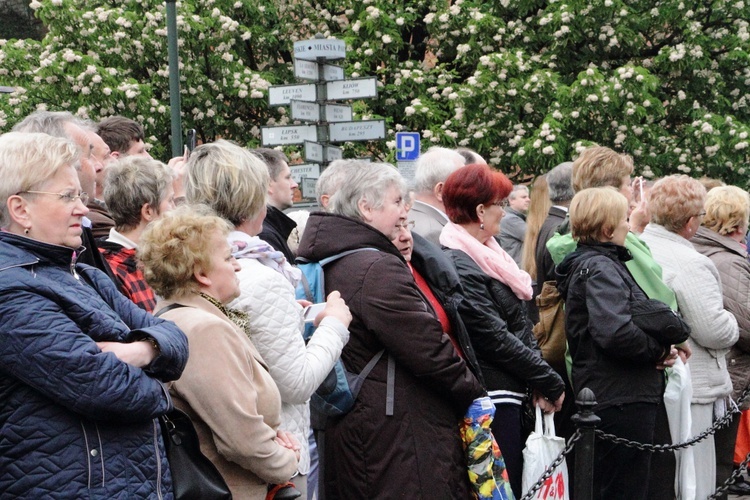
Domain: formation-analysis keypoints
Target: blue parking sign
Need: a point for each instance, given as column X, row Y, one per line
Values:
column 407, row 146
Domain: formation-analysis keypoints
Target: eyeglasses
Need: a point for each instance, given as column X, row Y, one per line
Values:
column 702, row 214
column 408, row 224
column 501, row 203
column 64, row 197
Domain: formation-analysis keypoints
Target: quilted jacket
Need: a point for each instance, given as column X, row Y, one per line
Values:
column 416, row 452
column 76, row 422
column 697, row 285
column 730, row 258
column 276, row 327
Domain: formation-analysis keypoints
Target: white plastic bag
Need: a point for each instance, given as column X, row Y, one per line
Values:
column 542, row 448
column 677, row 396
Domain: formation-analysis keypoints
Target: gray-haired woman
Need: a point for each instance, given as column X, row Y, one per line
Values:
column 413, row 450
column 138, row 191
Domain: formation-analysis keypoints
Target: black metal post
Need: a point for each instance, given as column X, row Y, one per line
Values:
column 586, row 422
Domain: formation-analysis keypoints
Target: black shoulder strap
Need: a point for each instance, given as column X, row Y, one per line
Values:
column 165, row 310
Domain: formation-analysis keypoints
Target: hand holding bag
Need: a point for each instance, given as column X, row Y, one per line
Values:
column 542, row 448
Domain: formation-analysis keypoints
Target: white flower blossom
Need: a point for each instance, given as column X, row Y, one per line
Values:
column 548, row 150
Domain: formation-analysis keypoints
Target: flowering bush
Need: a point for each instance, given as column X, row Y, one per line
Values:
column 526, row 83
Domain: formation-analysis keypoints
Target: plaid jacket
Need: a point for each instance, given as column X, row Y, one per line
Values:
column 125, row 266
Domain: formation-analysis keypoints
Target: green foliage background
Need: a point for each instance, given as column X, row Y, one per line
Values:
column 527, row 83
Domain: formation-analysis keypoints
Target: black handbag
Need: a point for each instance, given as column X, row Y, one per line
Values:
column 194, row 477
column 659, row 321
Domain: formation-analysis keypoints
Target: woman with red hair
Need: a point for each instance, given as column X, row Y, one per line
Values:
column 495, row 310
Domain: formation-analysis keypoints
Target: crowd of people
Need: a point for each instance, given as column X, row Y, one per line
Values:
column 130, row 287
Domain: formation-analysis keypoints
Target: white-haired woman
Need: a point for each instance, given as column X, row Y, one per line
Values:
column 721, row 239
column 677, row 208
column 233, row 182
column 81, row 367
column 411, row 449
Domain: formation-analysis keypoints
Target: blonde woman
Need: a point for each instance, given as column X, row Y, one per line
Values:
column 611, row 355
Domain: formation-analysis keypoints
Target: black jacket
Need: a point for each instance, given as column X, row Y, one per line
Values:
column 277, row 227
column 501, row 333
column 611, row 355
column 441, row 275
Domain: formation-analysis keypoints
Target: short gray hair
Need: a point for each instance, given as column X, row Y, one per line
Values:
column 334, row 175
column 516, row 189
column 560, row 183
column 274, row 160
column 46, row 122
column 131, row 183
column 29, row 159
column 228, row 178
column 369, row 184
column 434, row 166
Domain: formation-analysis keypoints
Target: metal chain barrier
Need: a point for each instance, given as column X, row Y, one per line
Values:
column 652, row 447
column 672, row 447
column 554, row 465
column 723, row 488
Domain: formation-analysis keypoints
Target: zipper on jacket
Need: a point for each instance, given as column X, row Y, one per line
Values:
column 158, row 459
column 73, row 266
column 23, row 264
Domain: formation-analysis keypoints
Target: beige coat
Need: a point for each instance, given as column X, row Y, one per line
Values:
column 233, row 401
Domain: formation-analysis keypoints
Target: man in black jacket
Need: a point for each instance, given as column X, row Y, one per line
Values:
column 277, row 226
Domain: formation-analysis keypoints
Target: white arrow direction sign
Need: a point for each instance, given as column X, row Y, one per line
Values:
column 331, row 73
column 308, row 170
column 313, row 152
column 306, row 70
column 329, row 49
column 292, row 134
column 365, row 130
column 355, row 88
column 338, row 113
column 281, row 95
column 334, row 153
column 309, row 70
column 301, row 110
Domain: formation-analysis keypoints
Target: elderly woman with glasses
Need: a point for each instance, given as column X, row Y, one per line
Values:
column 226, row 388
column 401, row 438
column 677, row 209
column 495, row 309
column 82, row 367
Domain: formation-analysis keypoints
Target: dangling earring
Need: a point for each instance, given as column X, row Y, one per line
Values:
column 26, row 231
column 481, row 225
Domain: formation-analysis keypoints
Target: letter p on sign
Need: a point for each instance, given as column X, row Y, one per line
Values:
column 407, row 146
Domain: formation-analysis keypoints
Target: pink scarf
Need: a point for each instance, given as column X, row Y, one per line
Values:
column 492, row 259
